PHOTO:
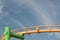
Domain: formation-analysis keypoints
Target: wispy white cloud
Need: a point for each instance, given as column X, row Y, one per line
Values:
column 2, row 14
column 1, row 6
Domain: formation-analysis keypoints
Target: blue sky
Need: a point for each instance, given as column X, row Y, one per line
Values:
column 24, row 13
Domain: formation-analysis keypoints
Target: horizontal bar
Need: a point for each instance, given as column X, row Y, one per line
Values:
column 40, row 31
column 35, row 26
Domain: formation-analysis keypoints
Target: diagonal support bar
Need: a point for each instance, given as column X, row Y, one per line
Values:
column 19, row 36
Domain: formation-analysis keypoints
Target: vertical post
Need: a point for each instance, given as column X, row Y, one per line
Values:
column 7, row 33
column 22, row 39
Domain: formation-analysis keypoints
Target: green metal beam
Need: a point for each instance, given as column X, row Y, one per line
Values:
column 19, row 36
column 7, row 33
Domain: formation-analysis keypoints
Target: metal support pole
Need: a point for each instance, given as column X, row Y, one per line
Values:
column 7, row 33
column 19, row 36
column 22, row 39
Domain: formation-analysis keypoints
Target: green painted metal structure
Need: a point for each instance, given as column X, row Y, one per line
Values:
column 8, row 34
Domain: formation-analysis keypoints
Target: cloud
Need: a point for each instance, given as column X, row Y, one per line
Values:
column 1, row 6
column 2, row 13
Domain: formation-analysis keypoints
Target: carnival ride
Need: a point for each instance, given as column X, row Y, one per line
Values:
column 20, row 32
